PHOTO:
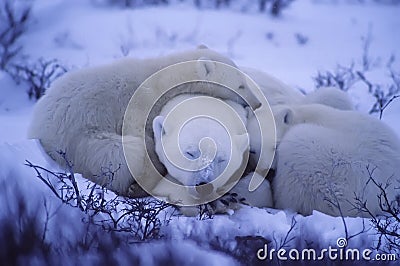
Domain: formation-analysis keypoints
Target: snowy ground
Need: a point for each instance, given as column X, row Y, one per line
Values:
column 80, row 34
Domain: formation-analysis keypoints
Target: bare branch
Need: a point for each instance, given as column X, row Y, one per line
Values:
column 13, row 23
column 387, row 226
column 138, row 217
column 38, row 75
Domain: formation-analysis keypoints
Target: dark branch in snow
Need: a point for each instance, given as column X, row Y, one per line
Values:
column 39, row 75
column 335, row 203
column 205, row 212
column 14, row 18
column 342, row 78
column 138, row 217
column 354, row 76
column 288, row 238
column 387, row 226
column 273, row 7
column 13, row 23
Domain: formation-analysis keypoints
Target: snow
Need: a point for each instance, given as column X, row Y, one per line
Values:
column 81, row 33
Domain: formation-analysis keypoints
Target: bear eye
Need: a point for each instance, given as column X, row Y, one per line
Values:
column 286, row 119
column 190, row 155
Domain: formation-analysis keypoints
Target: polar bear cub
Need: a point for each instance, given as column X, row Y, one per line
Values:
column 327, row 157
column 215, row 158
column 278, row 93
column 229, row 148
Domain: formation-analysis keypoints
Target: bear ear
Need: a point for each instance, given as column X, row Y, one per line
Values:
column 241, row 142
column 288, row 116
column 205, row 67
column 202, row 46
column 158, row 128
column 249, row 112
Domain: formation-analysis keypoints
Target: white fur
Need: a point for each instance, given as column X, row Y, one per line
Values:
column 82, row 114
column 274, row 90
column 261, row 197
column 330, row 96
column 278, row 92
column 190, row 136
column 322, row 160
column 191, row 133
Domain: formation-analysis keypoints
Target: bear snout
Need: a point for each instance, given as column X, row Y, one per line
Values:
column 204, row 188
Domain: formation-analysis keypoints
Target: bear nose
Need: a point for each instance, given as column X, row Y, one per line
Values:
column 207, row 173
column 204, row 188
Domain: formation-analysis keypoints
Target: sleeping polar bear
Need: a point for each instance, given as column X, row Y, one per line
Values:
column 82, row 114
column 326, row 157
column 275, row 91
column 205, row 165
column 278, row 93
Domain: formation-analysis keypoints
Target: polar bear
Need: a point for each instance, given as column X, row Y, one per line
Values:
column 326, row 157
column 330, row 96
column 231, row 144
column 190, row 135
column 82, row 114
column 278, row 93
